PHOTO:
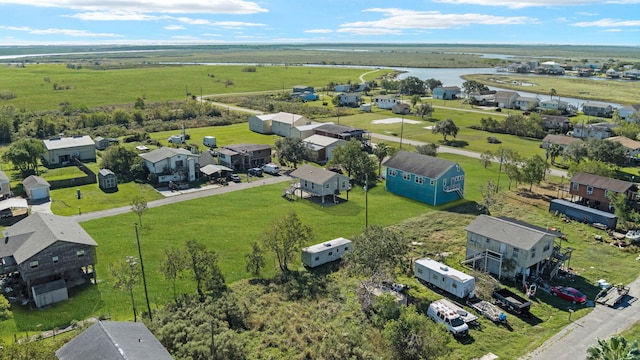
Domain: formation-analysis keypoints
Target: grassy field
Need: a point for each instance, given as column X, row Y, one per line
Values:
column 34, row 84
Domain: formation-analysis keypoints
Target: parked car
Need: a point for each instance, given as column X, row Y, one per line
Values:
column 235, row 178
column 255, row 171
column 569, row 294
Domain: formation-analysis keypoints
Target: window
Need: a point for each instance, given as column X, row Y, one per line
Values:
column 444, row 182
column 327, row 185
column 454, row 286
column 346, row 248
column 179, row 163
column 392, row 172
column 33, row 264
column 432, row 182
column 419, row 180
column 330, row 253
column 54, row 259
column 80, row 253
column 547, row 246
column 419, row 270
column 533, row 253
column 515, row 253
column 317, row 258
column 575, row 186
column 406, row 177
column 305, row 183
column 589, row 190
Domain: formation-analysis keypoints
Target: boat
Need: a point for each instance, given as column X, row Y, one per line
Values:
column 633, row 235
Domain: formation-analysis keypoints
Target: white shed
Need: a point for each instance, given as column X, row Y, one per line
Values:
column 50, row 293
column 36, row 187
column 316, row 255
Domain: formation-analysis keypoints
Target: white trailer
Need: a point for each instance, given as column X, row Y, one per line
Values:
column 209, row 141
column 316, row 255
column 445, row 278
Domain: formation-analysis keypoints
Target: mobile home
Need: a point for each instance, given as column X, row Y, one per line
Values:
column 316, row 255
column 443, row 277
column 583, row 213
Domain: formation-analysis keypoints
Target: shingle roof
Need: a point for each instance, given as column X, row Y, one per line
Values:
column 625, row 142
column 560, row 139
column 110, row 340
column 68, row 142
column 601, row 182
column 164, row 153
column 34, row 181
column 313, row 174
column 337, row 129
column 38, row 231
column 423, row 165
column 516, row 234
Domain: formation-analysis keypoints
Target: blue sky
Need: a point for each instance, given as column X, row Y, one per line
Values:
column 137, row 22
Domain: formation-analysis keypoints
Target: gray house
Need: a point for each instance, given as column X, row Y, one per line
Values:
column 508, row 247
column 320, row 182
column 61, row 150
column 52, row 253
column 111, row 340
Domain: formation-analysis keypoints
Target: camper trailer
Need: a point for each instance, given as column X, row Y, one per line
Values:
column 445, row 278
column 209, row 141
column 325, row 252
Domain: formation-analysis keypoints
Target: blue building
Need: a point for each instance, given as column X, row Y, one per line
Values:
column 446, row 92
column 424, row 178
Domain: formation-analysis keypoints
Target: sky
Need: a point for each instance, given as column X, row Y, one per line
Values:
column 166, row 22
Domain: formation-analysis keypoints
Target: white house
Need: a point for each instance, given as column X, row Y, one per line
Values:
column 630, row 112
column 279, row 123
column 322, row 146
column 320, row 182
column 170, row 164
column 601, row 130
column 304, row 131
column 506, row 99
column 61, row 150
column 385, row 101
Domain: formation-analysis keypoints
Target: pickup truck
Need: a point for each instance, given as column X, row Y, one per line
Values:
column 511, row 302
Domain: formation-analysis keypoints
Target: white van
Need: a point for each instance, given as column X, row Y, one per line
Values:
column 271, row 168
column 442, row 314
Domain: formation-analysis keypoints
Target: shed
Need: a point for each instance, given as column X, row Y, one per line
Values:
column 316, row 255
column 36, row 187
column 107, row 180
column 50, row 293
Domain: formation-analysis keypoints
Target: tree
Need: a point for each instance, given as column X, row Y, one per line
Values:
column 255, row 260
column 533, row 170
column 473, row 87
column 606, row 151
column 119, row 159
column 126, row 275
column 205, row 270
column 430, row 149
column 139, row 104
column 173, row 265
column 446, row 128
column 615, row 348
column 486, row 158
column 354, row 161
column 575, row 152
column 415, row 99
column 292, row 150
column 336, row 101
column 6, row 124
column 139, row 206
column 381, row 151
column 552, row 93
column 591, row 167
column 286, row 237
column 553, row 151
column 414, row 336
column 424, row 110
column 491, row 198
column 432, row 84
column 5, row 309
column 24, row 155
column 412, row 85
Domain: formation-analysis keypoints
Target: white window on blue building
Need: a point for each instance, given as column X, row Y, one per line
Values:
column 419, row 180
column 406, row 177
column 392, row 172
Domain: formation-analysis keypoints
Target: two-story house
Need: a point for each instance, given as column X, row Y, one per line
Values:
column 385, row 101
column 320, row 183
column 507, row 247
column 506, row 99
column 525, row 103
column 51, row 253
column 593, row 190
column 350, row 98
column 424, row 178
column 632, row 147
column 560, row 140
column 244, row 156
column 556, row 123
column 61, row 150
column 446, row 92
column 171, row 164
column 597, row 109
column 600, row 130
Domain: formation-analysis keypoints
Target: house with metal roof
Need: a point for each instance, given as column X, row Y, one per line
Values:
column 51, row 253
column 593, row 190
column 506, row 247
column 113, row 340
column 171, row 164
column 446, row 92
column 343, row 132
column 506, row 99
column 60, row 151
column 322, row 147
column 385, row 101
column 424, row 178
column 279, row 123
column 319, row 182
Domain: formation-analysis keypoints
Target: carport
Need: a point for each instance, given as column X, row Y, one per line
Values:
column 214, row 171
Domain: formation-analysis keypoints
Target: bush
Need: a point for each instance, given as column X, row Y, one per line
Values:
column 5, row 309
column 7, row 95
column 493, row 140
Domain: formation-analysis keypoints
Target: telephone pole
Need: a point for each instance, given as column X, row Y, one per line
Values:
column 144, row 278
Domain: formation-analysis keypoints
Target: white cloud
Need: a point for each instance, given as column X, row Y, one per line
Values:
column 319, row 31
column 174, row 27
column 54, row 31
column 608, row 23
column 235, row 24
column 519, row 4
column 114, row 15
column 584, row 13
column 613, row 30
column 211, row 35
column 394, row 20
column 150, row 6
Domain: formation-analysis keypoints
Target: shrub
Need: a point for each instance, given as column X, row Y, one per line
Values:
column 5, row 309
column 7, row 95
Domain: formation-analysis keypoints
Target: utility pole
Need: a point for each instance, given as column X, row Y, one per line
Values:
column 144, row 278
column 401, row 131
column 213, row 344
column 500, row 170
column 366, row 201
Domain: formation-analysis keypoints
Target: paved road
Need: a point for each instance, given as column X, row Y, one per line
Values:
column 573, row 341
column 184, row 195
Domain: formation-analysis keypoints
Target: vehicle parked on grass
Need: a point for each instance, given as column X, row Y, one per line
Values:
column 255, row 171
column 442, row 314
column 511, row 301
column 569, row 294
column 235, row 178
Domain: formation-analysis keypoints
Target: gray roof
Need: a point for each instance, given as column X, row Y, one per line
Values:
column 105, row 172
column 314, row 174
column 515, row 233
column 3, row 177
column 34, row 181
column 38, row 231
column 337, row 129
column 560, row 139
column 601, row 182
column 423, row 165
column 239, row 148
column 111, row 340
column 68, row 142
column 164, row 153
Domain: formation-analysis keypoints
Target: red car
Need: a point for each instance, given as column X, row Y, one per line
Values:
column 569, row 294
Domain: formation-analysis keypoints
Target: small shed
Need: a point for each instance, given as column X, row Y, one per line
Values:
column 107, row 180
column 36, row 188
column 50, row 293
column 366, row 107
column 316, row 255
